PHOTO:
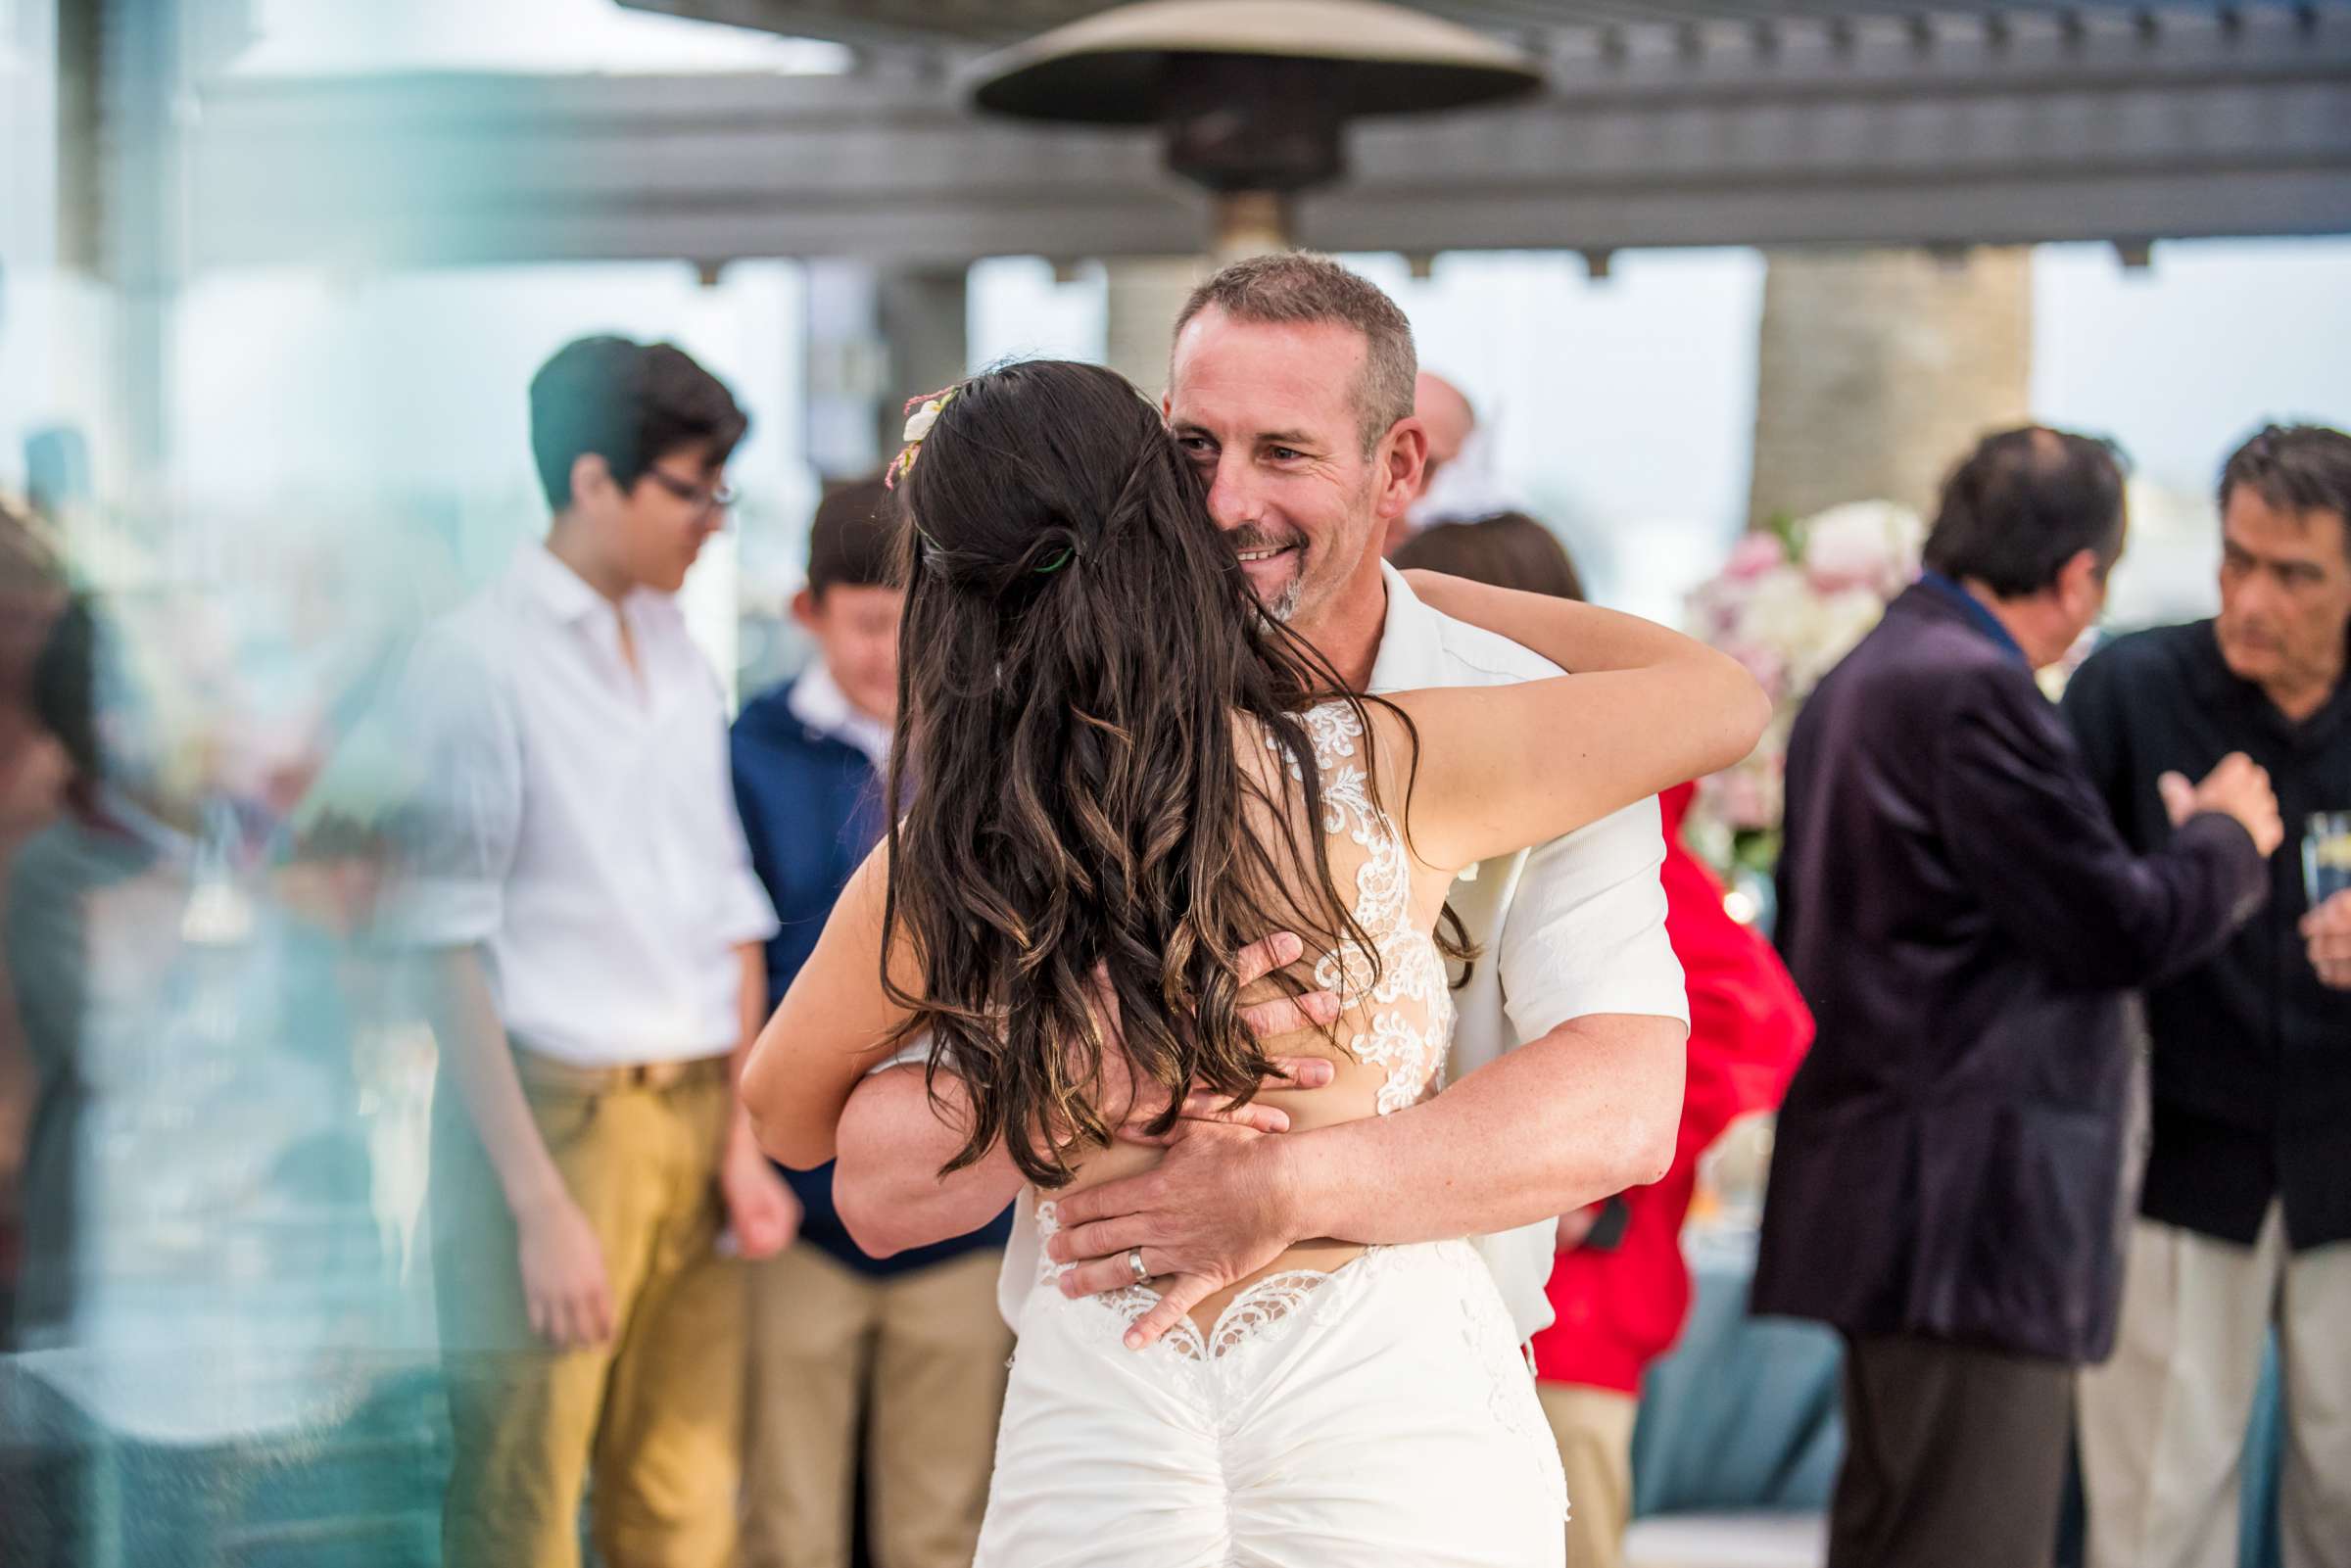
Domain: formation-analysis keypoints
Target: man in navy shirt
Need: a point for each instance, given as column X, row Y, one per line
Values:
column 2244, row 1220
column 910, row 1349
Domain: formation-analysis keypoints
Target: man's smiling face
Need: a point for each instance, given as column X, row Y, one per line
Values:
column 1269, row 414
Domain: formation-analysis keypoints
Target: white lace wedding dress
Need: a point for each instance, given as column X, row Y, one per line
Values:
column 1382, row 1413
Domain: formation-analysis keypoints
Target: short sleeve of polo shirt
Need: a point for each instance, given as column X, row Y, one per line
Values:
column 1586, row 932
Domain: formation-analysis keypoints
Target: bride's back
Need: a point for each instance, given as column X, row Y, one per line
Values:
column 1388, row 1044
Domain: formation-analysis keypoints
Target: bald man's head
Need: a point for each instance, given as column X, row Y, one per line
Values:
column 1447, row 417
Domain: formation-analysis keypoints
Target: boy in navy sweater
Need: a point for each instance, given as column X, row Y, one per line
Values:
column 910, row 1349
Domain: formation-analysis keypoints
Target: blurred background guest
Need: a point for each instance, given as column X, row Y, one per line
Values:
column 1508, row 549
column 1620, row 1290
column 33, row 768
column 1457, row 482
column 188, row 993
column 2244, row 1221
column 1963, row 918
column 47, row 908
column 907, row 1351
column 581, row 880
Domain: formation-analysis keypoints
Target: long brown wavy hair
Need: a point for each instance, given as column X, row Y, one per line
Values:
column 1068, row 799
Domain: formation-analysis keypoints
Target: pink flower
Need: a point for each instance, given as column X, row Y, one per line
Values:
column 1745, row 800
column 1755, row 554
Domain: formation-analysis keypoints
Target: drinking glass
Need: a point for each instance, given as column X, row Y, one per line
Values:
column 2326, row 855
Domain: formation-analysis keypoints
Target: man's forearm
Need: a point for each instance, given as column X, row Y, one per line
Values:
column 1576, row 1117
column 751, row 1005
column 886, row 1185
column 473, row 1048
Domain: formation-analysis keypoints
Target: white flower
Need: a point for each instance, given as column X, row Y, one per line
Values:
column 1779, row 613
column 1838, row 621
column 1864, row 544
column 919, row 422
column 1790, row 621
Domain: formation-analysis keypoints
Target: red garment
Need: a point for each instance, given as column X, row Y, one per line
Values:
column 1620, row 1309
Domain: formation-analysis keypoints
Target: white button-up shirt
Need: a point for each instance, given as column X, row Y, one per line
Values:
column 577, row 819
column 1569, row 928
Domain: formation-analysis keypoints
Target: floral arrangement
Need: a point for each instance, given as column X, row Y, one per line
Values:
column 1793, row 599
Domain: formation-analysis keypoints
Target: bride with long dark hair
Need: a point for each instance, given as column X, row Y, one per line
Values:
column 1115, row 770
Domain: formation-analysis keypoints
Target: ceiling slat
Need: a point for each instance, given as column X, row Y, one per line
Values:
column 992, row 22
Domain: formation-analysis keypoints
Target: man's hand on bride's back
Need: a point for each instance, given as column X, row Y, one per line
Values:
column 1209, row 1213
column 1267, row 1020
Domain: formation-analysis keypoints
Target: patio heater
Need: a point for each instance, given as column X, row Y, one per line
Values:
column 1251, row 97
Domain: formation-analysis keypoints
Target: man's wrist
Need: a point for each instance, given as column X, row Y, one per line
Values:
column 537, row 1207
column 1290, row 1172
column 529, row 1199
column 743, row 1142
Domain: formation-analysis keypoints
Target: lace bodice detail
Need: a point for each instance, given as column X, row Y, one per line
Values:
column 1403, row 1010
column 1407, row 993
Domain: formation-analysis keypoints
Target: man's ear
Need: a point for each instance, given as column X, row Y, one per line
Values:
column 591, row 476
column 1402, row 455
column 804, row 609
column 2081, row 578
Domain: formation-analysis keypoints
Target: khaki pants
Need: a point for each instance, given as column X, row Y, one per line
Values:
column 2163, row 1422
column 1594, row 1428
column 656, row 1413
column 920, row 1358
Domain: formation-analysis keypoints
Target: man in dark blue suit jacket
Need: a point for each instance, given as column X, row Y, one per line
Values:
column 910, row 1349
column 1955, row 904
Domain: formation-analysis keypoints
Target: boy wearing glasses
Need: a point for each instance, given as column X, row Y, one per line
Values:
column 581, row 880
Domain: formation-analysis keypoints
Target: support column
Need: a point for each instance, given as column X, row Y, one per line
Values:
column 876, row 339
column 923, row 320
column 1144, row 295
column 847, row 370
column 1879, row 369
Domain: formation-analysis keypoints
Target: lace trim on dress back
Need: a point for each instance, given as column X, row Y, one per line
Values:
column 1408, row 991
column 1267, row 1302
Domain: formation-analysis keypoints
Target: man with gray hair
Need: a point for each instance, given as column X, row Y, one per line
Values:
column 1291, row 388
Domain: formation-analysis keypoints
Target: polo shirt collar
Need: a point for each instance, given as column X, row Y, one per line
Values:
column 1412, row 639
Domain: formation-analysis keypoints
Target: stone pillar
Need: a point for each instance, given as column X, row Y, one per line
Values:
column 847, row 374
column 1143, row 297
column 873, row 340
column 1879, row 369
column 922, row 317
column 1252, row 224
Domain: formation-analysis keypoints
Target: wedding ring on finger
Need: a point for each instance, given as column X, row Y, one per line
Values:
column 1134, row 1265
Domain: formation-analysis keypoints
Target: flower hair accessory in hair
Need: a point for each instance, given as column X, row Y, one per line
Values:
column 921, row 414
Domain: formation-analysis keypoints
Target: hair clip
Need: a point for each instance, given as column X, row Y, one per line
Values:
column 921, row 414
